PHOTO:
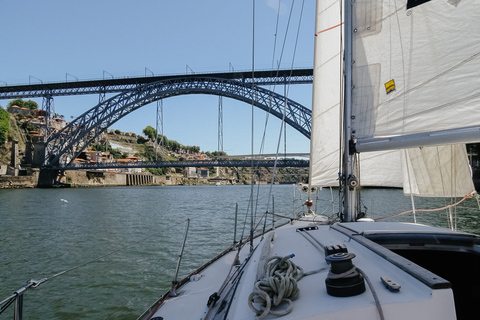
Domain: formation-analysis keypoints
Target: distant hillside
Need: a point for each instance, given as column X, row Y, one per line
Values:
column 124, row 144
column 13, row 133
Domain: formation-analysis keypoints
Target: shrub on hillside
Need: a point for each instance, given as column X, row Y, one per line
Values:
column 4, row 125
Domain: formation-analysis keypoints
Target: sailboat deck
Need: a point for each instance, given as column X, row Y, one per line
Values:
column 421, row 292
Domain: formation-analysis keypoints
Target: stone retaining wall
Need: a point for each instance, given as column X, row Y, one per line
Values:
column 12, row 182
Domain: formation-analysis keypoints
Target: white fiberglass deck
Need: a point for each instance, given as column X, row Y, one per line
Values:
column 415, row 300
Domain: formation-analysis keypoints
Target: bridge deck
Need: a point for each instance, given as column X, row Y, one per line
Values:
column 263, row 77
column 172, row 164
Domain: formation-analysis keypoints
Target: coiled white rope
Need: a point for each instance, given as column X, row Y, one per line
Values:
column 279, row 285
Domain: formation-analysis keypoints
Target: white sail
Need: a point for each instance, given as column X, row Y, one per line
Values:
column 397, row 91
column 415, row 70
column 381, row 169
column 326, row 119
column 327, row 80
column 437, row 171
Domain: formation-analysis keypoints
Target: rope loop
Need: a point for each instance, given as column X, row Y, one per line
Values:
column 278, row 287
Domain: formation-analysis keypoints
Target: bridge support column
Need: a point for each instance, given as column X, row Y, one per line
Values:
column 49, row 109
column 220, row 124
column 46, row 178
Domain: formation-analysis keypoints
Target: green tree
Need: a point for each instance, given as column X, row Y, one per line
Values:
column 173, row 145
column 16, row 102
column 192, row 149
column 29, row 104
column 32, row 105
column 164, row 138
column 150, row 132
column 4, row 125
column 216, row 154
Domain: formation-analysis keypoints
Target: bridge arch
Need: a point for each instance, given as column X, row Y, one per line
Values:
column 66, row 144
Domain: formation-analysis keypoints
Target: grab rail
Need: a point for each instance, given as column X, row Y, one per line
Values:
column 17, row 297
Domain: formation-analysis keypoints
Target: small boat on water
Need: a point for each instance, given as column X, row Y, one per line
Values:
column 397, row 78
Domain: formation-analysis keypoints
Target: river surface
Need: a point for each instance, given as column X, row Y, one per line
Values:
column 118, row 246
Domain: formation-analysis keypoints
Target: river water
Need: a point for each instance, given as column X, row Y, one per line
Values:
column 118, row 246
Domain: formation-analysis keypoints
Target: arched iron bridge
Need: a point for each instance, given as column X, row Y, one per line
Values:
column 134, row 93
column 64, row 146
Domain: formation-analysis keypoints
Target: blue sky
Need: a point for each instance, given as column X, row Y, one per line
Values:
column 58, row 40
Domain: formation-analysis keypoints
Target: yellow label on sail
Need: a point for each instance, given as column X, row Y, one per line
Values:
column 390, row 86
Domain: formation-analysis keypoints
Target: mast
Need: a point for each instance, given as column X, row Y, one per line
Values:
column 349, row 180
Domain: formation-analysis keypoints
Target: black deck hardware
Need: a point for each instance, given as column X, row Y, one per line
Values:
column 344, row 280
column 307, row 228
column 213, row 299
column 335, row 249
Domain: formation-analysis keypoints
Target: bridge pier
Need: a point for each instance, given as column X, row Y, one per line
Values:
column 47, row 178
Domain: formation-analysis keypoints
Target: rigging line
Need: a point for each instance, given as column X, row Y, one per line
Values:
column 285, row 104
column 286, row 95
column 374, row 294
column 439, row 164
column 295, row 46
column 136, row 293
column 262, row 145
column 253, row 124
column 232, row 277
column 443, row 184
column 453, row 185
column 314, row 241
column 320, row 247
column 278, row 70
column 429, row 210
column 275, row 37
column 81, row 265
column 245, row 220
column 267, row 115
column 405, row 152
column 341, row 95
column 8, row 302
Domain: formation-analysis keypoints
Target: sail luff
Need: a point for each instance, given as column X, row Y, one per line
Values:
column 326, row 119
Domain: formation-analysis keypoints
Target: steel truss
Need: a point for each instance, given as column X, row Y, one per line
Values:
column 173, row 164
column 116, row 85
column 62, row 148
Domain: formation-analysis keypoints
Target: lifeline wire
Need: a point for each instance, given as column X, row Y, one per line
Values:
column 98, row 258
column 429, row 210
column 11, row 299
